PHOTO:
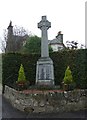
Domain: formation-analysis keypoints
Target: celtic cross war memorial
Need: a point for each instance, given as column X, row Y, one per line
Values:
column 44, row 69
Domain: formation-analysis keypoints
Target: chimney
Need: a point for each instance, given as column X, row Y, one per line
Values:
column 60, row 36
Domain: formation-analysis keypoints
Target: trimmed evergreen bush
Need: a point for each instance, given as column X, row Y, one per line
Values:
column 21, row 75
column 68, row 82
column 68, row 79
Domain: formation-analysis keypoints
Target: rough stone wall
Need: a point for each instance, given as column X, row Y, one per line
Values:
column 47, row 101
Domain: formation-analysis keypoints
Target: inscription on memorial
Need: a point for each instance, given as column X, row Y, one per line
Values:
column 44, row 72
column 48, row 73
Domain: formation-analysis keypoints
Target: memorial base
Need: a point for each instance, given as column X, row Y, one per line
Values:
column 45, row 72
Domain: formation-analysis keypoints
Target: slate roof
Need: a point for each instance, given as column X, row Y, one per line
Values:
column 54, row 41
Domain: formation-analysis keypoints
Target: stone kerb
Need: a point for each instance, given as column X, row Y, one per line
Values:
column 48, row 101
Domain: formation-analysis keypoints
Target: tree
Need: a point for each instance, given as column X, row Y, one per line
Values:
column 33, row 45
column 20, row 31
column 50, row 49
column 82, row 46
column 4, row 41
column 17, row 31
column 72, row 45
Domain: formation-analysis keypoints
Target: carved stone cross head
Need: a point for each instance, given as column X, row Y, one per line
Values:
column 44, row 23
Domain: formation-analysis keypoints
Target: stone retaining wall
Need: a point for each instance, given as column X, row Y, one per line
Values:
column 47, row 101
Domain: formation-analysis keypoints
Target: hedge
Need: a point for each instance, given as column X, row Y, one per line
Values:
column 76, row 59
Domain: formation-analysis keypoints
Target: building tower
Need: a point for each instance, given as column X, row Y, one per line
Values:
column 10, row 40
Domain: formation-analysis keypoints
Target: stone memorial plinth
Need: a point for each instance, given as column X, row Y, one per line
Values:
column 44, row 70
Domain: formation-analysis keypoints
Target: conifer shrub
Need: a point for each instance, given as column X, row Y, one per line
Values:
column 21, row 75
column 21, row 82
column 68, row 76
column 68, row 80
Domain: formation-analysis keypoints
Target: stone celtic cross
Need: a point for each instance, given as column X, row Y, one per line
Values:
column 44, row 25
column 44, row 69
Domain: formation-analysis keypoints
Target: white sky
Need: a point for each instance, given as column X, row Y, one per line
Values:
column 67, row 16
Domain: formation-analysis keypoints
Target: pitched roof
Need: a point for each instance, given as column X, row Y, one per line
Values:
column 54, row 41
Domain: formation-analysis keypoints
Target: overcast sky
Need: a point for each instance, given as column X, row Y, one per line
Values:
column 67, row 16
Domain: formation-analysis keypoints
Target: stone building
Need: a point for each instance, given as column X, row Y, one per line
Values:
column 14, row 42
column 57, row 43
